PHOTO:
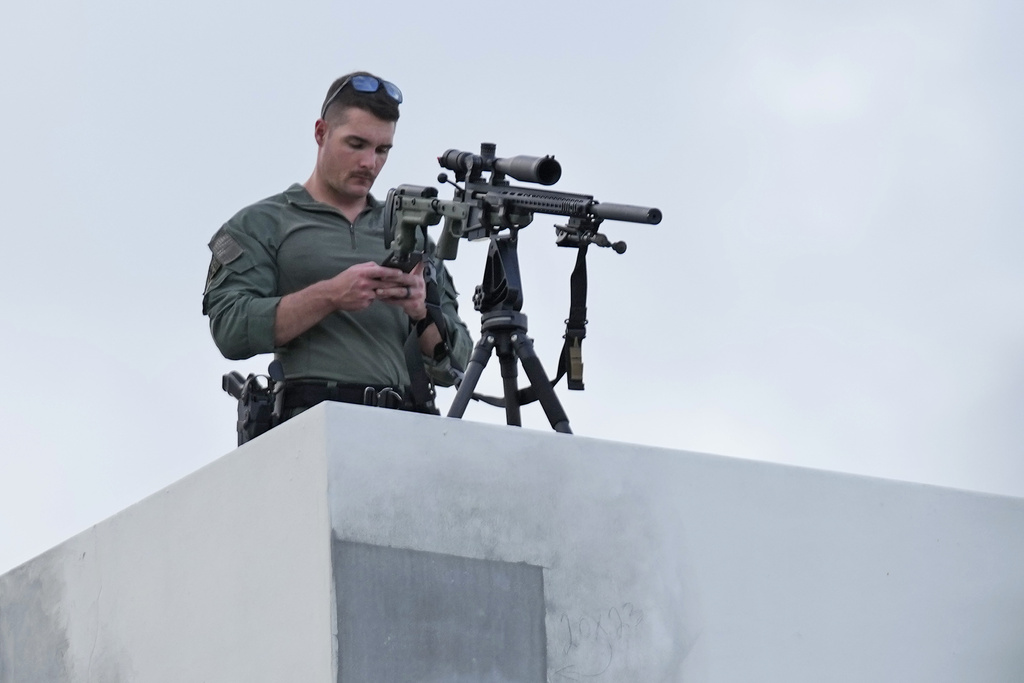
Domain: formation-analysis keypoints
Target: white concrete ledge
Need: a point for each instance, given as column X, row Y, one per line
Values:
column 643, row 564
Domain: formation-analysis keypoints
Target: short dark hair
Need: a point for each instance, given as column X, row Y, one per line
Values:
column 380, row 104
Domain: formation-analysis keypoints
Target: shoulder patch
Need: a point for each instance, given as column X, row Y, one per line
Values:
column 224, row 247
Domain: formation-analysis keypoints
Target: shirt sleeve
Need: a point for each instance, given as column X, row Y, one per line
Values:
column 241, row 294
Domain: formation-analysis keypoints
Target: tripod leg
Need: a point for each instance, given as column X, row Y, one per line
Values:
column 481, row 353
column 540, row 382
column 509, row 379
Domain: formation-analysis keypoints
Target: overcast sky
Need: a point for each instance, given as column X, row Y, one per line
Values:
column 837, row 282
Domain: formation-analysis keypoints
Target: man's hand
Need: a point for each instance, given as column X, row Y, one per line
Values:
column 408, row 291
column 353, row 289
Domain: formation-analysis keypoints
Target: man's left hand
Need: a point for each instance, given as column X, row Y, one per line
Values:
column 408, row 291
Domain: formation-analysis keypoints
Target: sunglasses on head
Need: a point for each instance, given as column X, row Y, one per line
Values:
column 365, row 84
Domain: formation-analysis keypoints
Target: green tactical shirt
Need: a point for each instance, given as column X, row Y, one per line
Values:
column 288, row 242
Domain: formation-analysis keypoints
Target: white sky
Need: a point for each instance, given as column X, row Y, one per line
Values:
column 837, row 282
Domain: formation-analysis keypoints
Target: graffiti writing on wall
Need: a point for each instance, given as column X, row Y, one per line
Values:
column 590, row 643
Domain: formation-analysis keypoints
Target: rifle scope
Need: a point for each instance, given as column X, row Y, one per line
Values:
column 540, row 170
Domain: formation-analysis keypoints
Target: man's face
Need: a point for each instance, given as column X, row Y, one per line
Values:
column 352, row 152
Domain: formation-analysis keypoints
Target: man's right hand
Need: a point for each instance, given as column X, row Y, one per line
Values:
column 353, row 289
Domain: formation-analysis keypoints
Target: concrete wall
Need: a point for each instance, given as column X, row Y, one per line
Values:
column 643, row 565
column 224, row 576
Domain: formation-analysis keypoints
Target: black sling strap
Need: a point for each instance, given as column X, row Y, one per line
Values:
column 571, row 360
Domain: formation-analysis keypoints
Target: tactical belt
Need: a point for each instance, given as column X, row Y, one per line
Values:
column 302, row 393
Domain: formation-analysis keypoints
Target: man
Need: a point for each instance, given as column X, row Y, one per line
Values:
column 299, row 273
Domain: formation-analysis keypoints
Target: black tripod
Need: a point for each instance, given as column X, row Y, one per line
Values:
column 503, row 330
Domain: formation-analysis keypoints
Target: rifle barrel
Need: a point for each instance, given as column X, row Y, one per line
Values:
column 626, row 212
column 565, row 204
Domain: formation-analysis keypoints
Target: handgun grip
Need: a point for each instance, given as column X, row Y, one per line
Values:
column 233, row 383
